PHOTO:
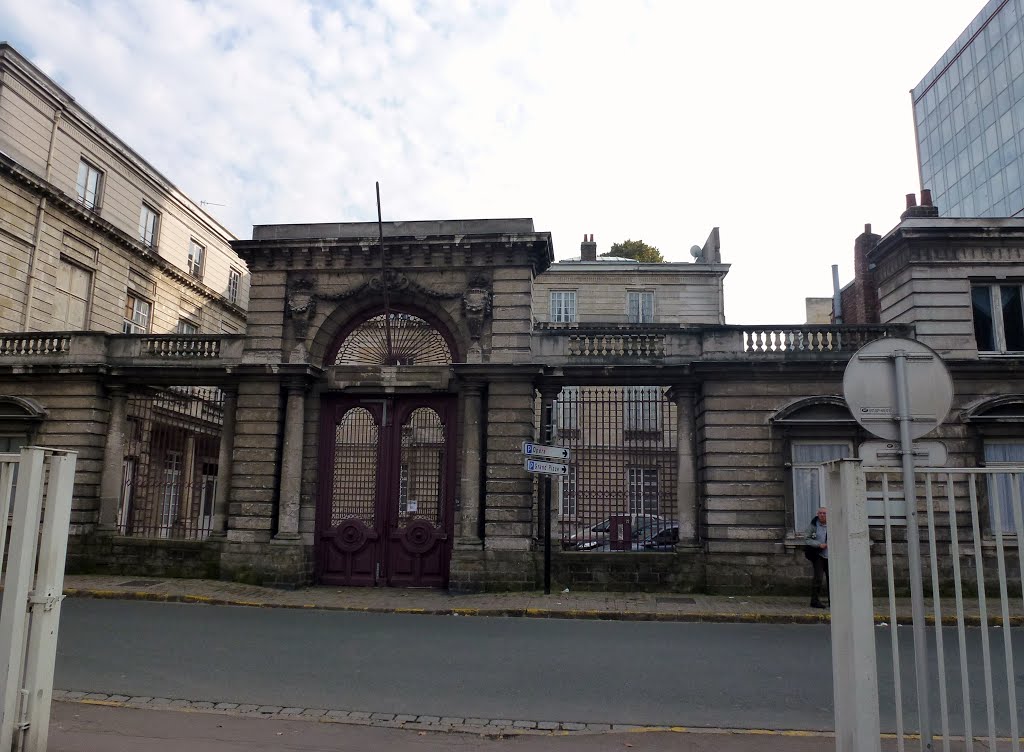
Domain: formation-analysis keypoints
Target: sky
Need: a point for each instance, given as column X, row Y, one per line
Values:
column 787, row 124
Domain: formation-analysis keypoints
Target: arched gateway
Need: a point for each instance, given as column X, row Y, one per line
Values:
column 385, row 502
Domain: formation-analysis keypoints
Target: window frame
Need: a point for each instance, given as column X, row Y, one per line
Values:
column 567, row 493
column 998, row 317
column 991, row 498
column 153, row 231
column 641, row 409
column 800, row 524
column 130, row 325
column 69, row 293
column 640, row 296
column 562, row 312
column 234, row 284
column 86, row 170
column 187, row 327
column 196, row 261
column 639, row 504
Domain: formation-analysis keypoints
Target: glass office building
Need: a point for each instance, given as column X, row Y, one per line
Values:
column 969, row 118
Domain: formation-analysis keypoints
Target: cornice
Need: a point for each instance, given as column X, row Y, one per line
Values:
column 11, row 169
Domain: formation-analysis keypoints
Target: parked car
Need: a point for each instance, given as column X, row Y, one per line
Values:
column 643, row 526
column 663, row 540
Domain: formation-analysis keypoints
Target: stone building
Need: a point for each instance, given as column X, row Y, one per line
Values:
column 367, row 427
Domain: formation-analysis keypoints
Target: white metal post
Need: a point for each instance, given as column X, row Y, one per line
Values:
column 7, row 466
column 46, row 599
column 20, row 571
column 904, row 418
column 854, row 671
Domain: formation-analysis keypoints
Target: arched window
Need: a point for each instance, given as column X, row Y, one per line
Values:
column 395, row 339
column 816, row 430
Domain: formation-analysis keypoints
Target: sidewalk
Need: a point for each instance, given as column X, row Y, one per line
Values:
column 560, row 605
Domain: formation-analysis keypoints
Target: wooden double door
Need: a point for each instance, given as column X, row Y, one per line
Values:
column 385, row 512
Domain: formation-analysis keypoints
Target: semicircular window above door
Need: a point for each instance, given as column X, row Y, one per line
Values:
column 413, row 342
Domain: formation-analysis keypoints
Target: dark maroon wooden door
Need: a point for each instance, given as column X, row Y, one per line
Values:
column 385, row 508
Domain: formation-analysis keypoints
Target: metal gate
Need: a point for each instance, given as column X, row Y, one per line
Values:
column 172, row 446
column 385, row 514
column 971, row 525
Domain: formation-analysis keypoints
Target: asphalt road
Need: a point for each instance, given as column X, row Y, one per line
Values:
column 733, row 675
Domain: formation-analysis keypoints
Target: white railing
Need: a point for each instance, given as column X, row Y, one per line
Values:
column 971, row 685
column 33, row 585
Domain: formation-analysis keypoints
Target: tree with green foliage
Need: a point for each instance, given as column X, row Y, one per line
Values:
column 636, row 249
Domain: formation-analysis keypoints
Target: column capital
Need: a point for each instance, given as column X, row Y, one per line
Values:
column 473, row 388
column 682, row 393
column 548, row 391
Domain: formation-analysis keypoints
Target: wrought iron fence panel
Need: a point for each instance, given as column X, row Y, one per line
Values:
column 620, row 493
column 172, row 446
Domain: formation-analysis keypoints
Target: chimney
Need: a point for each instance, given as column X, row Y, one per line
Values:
column 926, row 209
column 588, row 249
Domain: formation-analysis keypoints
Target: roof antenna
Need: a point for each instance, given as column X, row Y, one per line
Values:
column 210, row 203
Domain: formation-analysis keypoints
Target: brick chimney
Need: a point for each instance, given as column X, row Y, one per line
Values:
column 926, row 209
column 588, row 249
column 860, row 299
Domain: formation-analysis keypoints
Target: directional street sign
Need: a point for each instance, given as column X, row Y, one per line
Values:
column 539, row 450
column 547, row 468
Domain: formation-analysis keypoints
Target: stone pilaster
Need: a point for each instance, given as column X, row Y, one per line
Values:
column 112, row 476
column 508, row 508
column 227, row 444
column 472, row 441
column 291, row 463
column 686, row 460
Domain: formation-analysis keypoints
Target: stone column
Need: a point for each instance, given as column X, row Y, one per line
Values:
column 291, row 464
column 472, row 441
column 112, row 476
column 227, row 444
column 686, row 460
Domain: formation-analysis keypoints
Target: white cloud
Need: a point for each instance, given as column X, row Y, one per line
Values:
column 787, row 124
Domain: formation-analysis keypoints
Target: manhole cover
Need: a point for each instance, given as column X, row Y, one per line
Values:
column 140, row 583
column 679, row 600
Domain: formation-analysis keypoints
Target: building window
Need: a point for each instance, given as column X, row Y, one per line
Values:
column 234, row 280
column 642, row 411
column 71, row 303
column 998, row 318
column 149, row 221
column 807, row 459
column 641, row 307
column 187, row 327
column 1000, row 487
column 563, row 306
column 642, row 483
column 196, row 258
column 90, row 181
column 567, row 492
column 136, row 315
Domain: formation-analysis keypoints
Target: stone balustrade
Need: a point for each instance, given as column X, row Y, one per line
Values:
column 565, row 344
column 127, row 350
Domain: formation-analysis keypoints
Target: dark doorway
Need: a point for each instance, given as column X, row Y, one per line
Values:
column 386, row 491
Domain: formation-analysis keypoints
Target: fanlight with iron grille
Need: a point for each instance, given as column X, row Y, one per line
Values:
column 413, row 342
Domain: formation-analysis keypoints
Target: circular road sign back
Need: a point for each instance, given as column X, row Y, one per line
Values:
column 869, row 386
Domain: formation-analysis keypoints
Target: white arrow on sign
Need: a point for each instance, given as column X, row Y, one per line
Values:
column 547, row 468
column 539, row 450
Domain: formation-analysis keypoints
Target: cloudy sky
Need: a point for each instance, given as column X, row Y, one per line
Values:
column 787, row 124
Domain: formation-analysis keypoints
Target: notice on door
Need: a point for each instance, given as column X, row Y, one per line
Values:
column 411, row 505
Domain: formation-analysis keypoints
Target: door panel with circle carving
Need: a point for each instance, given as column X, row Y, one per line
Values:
column 386, row 501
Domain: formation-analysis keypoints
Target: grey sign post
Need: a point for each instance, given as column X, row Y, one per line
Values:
column 537, row 460
column 899, row 389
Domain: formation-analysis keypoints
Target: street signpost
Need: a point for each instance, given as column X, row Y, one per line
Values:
column 540, row 450
column 899, row 390
column 543, row 467
column 890, row 454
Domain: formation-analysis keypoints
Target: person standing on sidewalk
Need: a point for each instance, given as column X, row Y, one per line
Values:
column 816, row 551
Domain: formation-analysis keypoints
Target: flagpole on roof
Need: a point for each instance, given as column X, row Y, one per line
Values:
column 384, row 283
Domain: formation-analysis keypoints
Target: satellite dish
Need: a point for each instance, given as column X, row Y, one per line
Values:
column 696, row 251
